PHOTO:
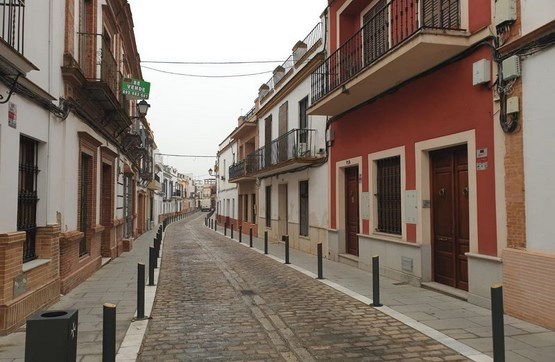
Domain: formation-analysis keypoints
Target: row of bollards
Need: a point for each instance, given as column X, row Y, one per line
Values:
column 496, row 290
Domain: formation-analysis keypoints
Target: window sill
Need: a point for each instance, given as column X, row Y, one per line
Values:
column 30, row 265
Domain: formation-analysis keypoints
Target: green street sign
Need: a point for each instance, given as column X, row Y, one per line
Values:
column 135, row 88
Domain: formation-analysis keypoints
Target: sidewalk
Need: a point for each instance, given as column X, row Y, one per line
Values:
column 445, row 318
column 116, row 283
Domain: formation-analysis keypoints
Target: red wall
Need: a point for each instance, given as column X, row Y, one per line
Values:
column 439, row 104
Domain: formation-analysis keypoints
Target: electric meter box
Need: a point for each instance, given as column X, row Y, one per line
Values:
column 511, row 68
column 505, row 12
column 481, row 72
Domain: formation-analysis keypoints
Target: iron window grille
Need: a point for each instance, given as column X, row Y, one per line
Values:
column 268, row 206
column 389, row 195
column 303, row 208
column 27, row 195
column 85, row 185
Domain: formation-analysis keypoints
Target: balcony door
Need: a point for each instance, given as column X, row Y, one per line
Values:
column 283, row 142
column 267, row 161
column 442, row 14
column 375, row 31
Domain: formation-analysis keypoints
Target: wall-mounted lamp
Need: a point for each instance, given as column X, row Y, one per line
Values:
column 213, row 173
column 142, row 108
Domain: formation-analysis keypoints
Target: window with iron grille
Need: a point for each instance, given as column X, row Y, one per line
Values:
column 303, row 208
column 27, row 195
column 85, row 187
column 246, row 208
column 389, row 195
column 268, row 206
column 253, row 206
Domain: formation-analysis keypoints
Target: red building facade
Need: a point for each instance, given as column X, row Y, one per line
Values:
column 412, row 140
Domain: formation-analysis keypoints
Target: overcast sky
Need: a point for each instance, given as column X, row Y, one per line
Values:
column 193, row 115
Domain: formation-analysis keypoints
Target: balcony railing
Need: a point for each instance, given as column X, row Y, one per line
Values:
column 311, row 39
column 12, row 23
column 98, row 63
column 242, row 168
column 295, row 144
column 389, row 27
column 249, row 114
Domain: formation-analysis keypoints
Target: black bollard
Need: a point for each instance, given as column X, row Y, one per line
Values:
column 320, row 264
column 250, row 236
column 157, row 247
column 152, row 261
column 265, row 242
column 225, row 229
column 232, row 231
column 287, row 249
column 240, row 233
column 497, row 323
column 376, row 281
column 109, row 332
column 140, row 291
column 215, row 226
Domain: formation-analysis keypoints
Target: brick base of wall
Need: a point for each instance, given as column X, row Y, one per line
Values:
column 73, row 268
column 15, row 313
column 109, row 248
column 41, row 283
column 529, row 286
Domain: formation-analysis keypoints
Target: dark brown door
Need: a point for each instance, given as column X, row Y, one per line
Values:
column 450, row 216
column 351, row 209
column 283, row 143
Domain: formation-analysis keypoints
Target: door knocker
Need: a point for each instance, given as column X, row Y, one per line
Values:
column 442, row 192
column 465, row 191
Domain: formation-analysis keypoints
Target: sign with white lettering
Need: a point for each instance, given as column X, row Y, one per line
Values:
column 135, row 88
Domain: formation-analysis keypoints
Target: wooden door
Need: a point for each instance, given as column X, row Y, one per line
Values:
column 450, row 222
column 283, row 226
column 351, row 210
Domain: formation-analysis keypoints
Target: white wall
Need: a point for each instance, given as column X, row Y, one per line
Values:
column 536, row 13
column 226, row 190
column 538, row 107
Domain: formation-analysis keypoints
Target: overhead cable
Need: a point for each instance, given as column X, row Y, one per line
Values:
column 206, row 75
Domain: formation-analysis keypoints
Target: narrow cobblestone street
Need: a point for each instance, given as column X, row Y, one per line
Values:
column 219, row 300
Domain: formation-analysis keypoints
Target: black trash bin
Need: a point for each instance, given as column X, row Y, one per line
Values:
column 51, row 336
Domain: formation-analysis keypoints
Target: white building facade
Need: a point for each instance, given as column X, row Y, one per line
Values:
column 293, row 173
column 227, row 192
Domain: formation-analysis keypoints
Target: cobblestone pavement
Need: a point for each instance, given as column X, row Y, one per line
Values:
column 217, row 300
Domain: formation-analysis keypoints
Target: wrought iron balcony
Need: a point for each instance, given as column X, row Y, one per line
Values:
column 241, row 170
column 12, row 30
column 401, row 40
column 97, row 62
column 291, row 150
column 312, row 40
